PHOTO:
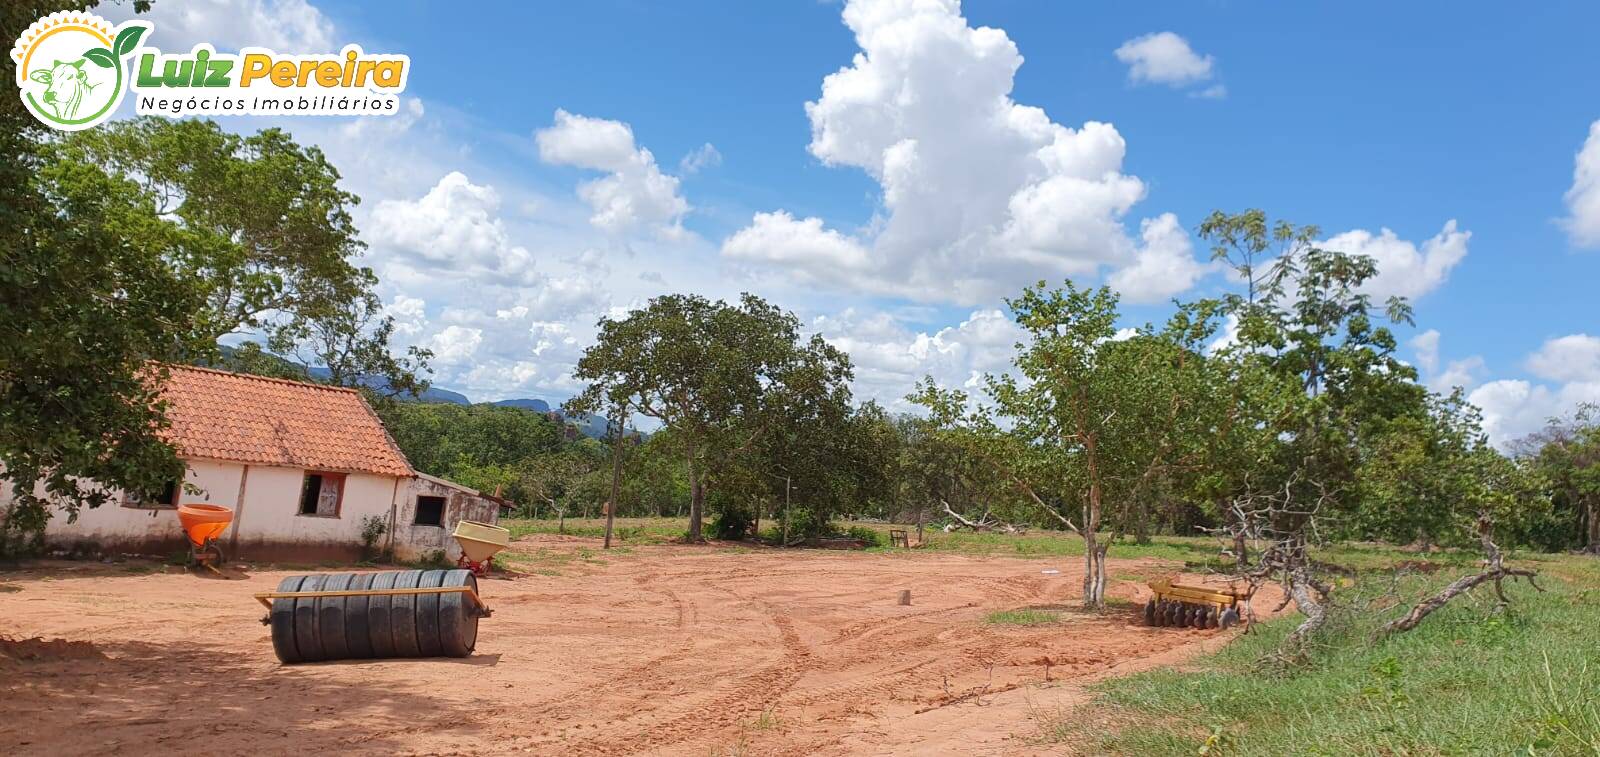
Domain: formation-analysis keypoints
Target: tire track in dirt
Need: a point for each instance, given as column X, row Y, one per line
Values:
column 752, row 694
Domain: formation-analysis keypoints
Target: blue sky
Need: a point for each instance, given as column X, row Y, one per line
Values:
column 480, row 199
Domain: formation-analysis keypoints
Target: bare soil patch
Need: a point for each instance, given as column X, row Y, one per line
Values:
column 656, row 650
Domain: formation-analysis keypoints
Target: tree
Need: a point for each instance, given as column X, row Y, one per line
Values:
column 801, row 443
column 702, row 368
column 259, row 220
column 558, row 478
column 351, row 342
column 1421, row 475
column 86, row 300
column 1088, row 419
column 1309, row 326
column 1566, row 455
column 482, row 446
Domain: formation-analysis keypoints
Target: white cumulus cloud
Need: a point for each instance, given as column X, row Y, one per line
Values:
column 1444, row 377
column 981, row 195
column 1514, row 408
column 890, row 358
column 455, row 344
column 454, row 226
column 1165, row 58
column 1575, row 357
column 1583, row 199
column 1404, row 268
column 634, row 193
column 1164, row 266
column 285, row 26
column 702, row 157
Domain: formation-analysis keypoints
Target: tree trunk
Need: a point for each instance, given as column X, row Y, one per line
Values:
column 1141, row 529
column 1094, row 555
column 1315, row 609
column 696, row 499
column 616, row 483
column 1593, row 546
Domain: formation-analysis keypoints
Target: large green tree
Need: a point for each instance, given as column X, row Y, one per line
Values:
column 87, row 297
column 722, row 376
column 1565, row 454
column 144, row 241
column 1089, row 424
column 261, row 221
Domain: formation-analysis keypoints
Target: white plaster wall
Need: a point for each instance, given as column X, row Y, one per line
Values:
column 113, row 524
column 270, row 517
column 267, row 525
column 414, row 542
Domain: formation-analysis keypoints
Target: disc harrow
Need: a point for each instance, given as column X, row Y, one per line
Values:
column 1184, row 606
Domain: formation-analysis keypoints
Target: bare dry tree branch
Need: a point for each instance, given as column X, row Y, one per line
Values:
column 1495, row 572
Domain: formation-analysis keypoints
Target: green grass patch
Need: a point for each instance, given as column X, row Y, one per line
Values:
column 1469, row 680
column 629, row 530
column 1022, row 618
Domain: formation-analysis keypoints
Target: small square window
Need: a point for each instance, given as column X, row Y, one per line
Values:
column 321, row 494
column 430, row 511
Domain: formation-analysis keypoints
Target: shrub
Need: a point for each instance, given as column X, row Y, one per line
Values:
column 871, row 536
column 732, row 523
column 373, row 528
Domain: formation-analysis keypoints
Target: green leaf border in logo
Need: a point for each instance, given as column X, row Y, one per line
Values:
column 127, row 40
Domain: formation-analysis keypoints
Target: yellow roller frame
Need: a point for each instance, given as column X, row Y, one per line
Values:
column 1166, row 590
column 266, row 597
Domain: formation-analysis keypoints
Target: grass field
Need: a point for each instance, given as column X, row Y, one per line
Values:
column 1470, row 680
column 626, row 530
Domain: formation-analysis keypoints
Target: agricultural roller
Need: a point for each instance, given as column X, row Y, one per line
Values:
column 397, row 613
column 1175, row 604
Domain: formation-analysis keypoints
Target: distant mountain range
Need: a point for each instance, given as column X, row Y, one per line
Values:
column 535, row 405
column 589, row 425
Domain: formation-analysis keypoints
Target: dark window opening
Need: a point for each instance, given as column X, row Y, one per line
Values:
column 320, row 494
column 309, row 494
column 167, row 497
column 430, row 511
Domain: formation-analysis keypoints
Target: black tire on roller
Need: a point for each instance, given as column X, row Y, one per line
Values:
column 378, row 613
column 1211, row 618
column 458, row 615
column 1197, row 618
column 428, row 615
column 403, row 615
column 1229, row 619
column 331, row 618
column 1150, row 612
column 282, row 615
column 306, row 639
column 357, row 634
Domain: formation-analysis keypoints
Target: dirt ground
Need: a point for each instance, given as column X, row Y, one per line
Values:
column 659, row 650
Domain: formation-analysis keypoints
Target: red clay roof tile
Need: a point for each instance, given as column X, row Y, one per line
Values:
column 267, row 421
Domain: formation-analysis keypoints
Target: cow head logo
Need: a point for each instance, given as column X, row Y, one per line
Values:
column 70, row 71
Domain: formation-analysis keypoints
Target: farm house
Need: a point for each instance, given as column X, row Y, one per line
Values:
column 304, row 467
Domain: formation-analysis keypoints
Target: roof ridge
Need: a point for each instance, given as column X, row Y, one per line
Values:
column 256, row 377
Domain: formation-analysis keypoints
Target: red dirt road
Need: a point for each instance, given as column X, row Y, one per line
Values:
column 662, row 650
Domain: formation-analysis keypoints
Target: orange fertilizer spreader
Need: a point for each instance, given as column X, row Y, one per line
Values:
column 204, row 524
